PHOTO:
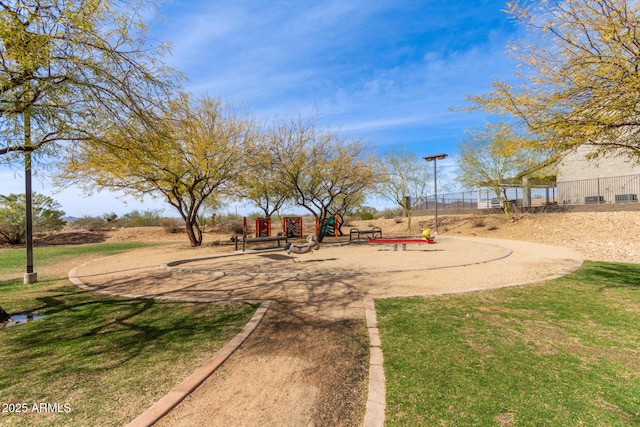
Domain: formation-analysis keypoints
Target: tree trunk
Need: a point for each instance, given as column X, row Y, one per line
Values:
column 320, row 220
column 4, row 316
column 194, row 233
column 506, row 205
column 339, row 224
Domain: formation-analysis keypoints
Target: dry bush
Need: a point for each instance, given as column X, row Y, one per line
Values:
column 89, row 223
column 237, row 227
column 477, row 220
column 171, row 225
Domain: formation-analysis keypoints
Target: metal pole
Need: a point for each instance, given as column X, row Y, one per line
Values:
column 435, row 190
column 29, row 276
column 435, row 182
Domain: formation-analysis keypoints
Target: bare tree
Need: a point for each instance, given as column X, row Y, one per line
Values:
column 401, row 175
column 326, row 171
column 492, row 157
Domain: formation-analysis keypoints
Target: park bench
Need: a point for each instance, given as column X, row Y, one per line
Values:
column 249, row 240
column 371, row 232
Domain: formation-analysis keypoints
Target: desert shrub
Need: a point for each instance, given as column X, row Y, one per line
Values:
column 366, row 216
column 392, row 212
column 172, row 225
column 236, row 227
column 148, row 218
column 90, row 223
column 477, row 220
column 110, row 218
column 365, row 213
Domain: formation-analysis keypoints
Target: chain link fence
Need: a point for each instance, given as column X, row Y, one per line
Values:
column 618, row 189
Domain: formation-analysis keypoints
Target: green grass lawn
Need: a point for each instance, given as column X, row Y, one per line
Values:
column 562, row 353
column 13, row 260
column 101, row 360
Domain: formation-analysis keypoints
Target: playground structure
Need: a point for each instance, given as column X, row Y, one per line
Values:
column 426, row 234
column 263, row 232
column 292, row 228
column 329, row 227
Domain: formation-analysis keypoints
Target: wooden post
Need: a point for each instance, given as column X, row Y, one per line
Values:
column 244, row 231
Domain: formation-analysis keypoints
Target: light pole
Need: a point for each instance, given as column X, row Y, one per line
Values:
column 30, row 276
column 435, row 158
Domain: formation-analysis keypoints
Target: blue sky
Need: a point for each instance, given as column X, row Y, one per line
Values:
column 386, row 71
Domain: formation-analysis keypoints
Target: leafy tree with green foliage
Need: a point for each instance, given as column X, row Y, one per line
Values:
column 70, row 69
column 365, row 212
column 47, row 216
column 191, row 155
column 261, row 182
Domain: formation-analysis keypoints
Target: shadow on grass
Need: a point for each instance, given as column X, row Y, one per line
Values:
column 86, row 334
column 10, row 282
column 70, row 238
column 608, row 275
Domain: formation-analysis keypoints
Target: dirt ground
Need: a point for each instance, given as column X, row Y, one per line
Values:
column 307, row 362
column 598, row 236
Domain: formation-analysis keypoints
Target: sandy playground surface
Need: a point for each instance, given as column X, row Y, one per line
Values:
column 299, row 367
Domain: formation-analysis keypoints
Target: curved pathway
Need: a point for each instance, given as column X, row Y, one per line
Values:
column 333, row 283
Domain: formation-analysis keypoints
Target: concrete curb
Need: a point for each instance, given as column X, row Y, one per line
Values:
column 376, row 400
column 159, row 409
column 182, row 390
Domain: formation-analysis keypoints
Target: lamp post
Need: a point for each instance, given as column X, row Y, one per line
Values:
column 435, row 158
column 30, row 276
